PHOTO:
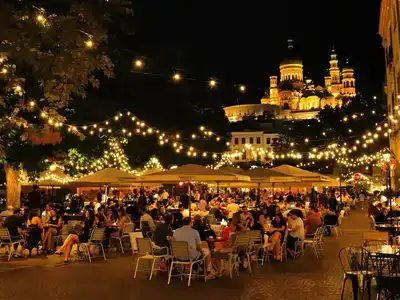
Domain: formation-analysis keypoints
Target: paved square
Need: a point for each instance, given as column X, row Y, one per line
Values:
column 304, row 278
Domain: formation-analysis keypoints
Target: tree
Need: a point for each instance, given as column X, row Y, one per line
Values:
column 46, row 61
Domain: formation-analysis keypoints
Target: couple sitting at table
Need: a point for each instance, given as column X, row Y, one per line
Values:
column 275, row 230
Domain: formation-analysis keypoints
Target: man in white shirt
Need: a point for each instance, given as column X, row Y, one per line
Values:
column 296, row 231
column 147, row 218
column 246, row 218
column 164, row 195
column 203, row 204
column 232, row 208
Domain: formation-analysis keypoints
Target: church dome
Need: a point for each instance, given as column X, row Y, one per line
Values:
column 291, row 57
column 291, row 61
column 347, row 67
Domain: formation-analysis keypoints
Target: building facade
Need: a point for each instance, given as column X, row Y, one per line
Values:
column 390, row 33
column 294, row 92
column 252, row 145
column 292, row 96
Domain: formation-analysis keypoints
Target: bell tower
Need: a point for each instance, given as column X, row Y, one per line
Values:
column 334, row 71
column 348, row 80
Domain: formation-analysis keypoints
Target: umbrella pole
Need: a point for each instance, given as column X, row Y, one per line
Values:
column 190, row 202
column 258, row 195
column 273, row 189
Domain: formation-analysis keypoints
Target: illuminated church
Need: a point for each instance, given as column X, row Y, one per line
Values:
column 292, row 91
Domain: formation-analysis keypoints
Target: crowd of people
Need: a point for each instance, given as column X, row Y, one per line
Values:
column 163, row 217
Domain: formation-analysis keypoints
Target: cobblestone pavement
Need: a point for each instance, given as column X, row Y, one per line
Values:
column 304, row 278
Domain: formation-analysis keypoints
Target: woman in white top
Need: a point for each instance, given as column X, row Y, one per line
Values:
column 296, row 231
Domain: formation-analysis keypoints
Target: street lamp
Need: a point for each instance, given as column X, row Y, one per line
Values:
column 388, row 164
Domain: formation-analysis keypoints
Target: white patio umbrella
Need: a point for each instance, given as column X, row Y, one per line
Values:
column 192, row 172
column 304, row 175
column 261, row 176
column 110, row 176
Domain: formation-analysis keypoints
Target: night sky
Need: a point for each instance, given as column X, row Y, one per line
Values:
column 243, row 41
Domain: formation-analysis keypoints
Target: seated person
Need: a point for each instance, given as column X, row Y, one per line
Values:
column 382, row 216
column 331, row 219
column 313, row 221
column 296, row 231
column 187, row 234
column 246, row 218
column 163, row 232
column 276, row 235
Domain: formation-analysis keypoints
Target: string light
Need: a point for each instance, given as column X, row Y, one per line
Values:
column 176, row 77
column 242, row 88
column 138, row 63
column 89, row 43
column 212, row 83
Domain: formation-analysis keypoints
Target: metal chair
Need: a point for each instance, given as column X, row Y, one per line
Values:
column 7, row 240
column 243, row 246
column 283, row 247
column 372, row 223
column 129, row 227
column 181, row 256
column 336, row 228
column 230, row 255
column 314, row 241
column 146, row 251
column 96, row 239
column 387, row 275
column 62, row 235
column 257, row 247
column 357, row 266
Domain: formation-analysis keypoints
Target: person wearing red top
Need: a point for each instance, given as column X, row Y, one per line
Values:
column 226, row 234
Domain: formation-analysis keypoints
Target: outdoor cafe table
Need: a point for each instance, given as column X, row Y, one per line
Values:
column 383, row 249
column 387, row 227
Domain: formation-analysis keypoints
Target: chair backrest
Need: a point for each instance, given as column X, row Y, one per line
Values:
column 242, row 241
column 387, row 264
column 373, row 243
column 97, row 234
column 285, row 237
column 211, row 219
column 255, row 236
column 376, row 236
column 340, row 219
column 396, row 240
column 144, row 246
column 4, row 234
column 355, row 259
column 64, row 230
column 129, row 227
column 372, row 224
column 180, row 249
